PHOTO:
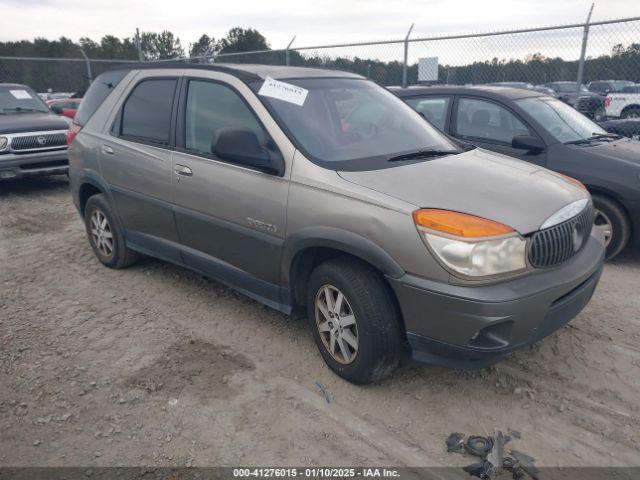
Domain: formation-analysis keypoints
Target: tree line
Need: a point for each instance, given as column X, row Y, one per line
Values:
column 623, row 62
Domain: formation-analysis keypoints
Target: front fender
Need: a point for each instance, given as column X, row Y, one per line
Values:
column 338, row 239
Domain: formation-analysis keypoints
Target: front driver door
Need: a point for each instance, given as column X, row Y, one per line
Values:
column 490, row 125
column 231, row 219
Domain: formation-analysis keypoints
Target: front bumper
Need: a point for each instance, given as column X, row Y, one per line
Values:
column 16, row 166
column 475, row 326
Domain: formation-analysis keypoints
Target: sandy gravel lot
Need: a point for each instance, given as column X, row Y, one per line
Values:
column 155, row 365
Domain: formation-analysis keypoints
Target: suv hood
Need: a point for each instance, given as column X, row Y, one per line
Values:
column 477, row 182
column 31, row 122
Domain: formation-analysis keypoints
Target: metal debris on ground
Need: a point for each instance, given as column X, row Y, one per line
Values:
column 328, row 396
column 493, row 461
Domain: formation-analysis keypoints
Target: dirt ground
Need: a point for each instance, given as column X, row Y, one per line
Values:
column 156, row 365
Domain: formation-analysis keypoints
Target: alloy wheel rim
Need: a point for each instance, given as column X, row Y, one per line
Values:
column 101, row 233
column 336, row 323
column 603, row 223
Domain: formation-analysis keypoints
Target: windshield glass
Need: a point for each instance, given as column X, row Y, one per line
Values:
column 19, row 98
column 559, row 119
column 349, row 119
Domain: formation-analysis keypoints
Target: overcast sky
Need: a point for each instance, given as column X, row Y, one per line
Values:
column 316, row 22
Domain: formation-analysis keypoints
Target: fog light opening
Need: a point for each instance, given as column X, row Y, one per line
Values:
column 492, row 337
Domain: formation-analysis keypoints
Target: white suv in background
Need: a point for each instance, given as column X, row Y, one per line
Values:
column 625, row 104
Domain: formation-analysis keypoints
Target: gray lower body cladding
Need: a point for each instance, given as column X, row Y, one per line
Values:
column 471, row 327
column 16, row 166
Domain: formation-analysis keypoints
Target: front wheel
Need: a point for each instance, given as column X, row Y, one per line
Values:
column 613, row 224
column 355, row 321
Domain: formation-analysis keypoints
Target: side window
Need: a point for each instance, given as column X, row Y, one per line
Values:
column 483, row 120
column 434, row 109
column 211, row 106
column 146, row 114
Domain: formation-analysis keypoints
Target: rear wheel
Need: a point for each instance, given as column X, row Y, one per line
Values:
column 355, row 321
column 105, row 234
column 613, row 224
column 633, row 112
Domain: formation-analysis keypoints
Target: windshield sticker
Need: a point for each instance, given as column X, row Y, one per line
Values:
column 283, row 91
column 20, row 94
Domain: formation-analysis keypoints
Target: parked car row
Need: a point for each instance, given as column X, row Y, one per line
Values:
column 542, row 130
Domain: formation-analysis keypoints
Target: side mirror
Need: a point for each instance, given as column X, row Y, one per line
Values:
column 528, row 142
column 241, row 145
column 57, row 109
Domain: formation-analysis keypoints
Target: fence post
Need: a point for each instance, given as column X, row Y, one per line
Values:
column 406, row 58
column 287, row 60
column 139, row 45
column 87, row 63
column 583, row 52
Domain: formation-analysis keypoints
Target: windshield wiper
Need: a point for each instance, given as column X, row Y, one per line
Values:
column 613, row 136
column 22, row 109
column 594, row 137
column 423, row 154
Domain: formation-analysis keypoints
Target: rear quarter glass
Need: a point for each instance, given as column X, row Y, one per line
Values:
column 99, row 90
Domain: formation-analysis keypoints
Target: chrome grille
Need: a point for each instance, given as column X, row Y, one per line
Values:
column 38, row 141
column 559, row 243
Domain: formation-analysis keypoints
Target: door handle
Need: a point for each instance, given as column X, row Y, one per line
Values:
column 107, row 149
column 183, row 170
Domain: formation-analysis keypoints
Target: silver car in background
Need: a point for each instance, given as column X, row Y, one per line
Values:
column 319, row 191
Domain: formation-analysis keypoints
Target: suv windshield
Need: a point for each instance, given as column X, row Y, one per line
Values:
column 559, row 119
column 18, row 99
column 354, row 119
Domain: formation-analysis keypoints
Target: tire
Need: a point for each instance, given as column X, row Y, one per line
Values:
column 629, row 113
column 608, row 210
column 599, row 114
column 111, row 250
column 376, row 320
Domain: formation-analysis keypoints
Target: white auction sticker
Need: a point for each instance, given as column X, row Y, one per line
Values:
column 283, row 91
column 20, row 94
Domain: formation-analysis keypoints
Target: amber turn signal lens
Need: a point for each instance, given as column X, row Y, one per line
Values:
column 574, row 181
column 458, row 224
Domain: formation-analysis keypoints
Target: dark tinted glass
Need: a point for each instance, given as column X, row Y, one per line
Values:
column 97, row 93
column 147, row 112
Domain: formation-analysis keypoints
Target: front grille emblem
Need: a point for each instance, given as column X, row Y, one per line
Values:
column 41, row 140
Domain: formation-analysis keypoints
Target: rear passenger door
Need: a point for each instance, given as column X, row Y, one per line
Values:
column 136, row 162
column 491, row 125
column 434, row 109
column 231, row 218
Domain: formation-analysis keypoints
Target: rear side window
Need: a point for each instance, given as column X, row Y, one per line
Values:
column 434, row 109
column 97, row 93
column 146, row 114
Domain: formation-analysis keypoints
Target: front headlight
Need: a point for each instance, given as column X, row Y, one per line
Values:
column 3, row 143
column 470, row 245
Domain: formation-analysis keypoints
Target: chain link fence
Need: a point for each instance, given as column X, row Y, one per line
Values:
column 578, row 53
